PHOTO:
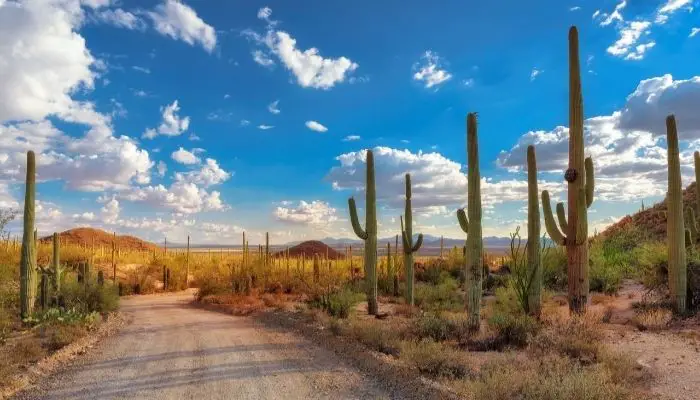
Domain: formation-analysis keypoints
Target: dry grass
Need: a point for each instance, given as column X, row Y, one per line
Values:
column 652, row 319
column 434, row 359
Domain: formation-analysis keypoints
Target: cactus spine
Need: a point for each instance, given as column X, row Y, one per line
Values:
column 581, row 185
column 471, row 225
column 409, row 247
column 27, row 271
column 369, row 234
column 534, row 269
column 677, row 267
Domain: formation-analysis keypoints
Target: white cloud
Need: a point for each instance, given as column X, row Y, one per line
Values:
column 162, row 168
column 308, row 66
column 315, row 126
column 172, row 124
column 265, row 127
column 535, row 73
column 37, row 80
column 430, row 71
column 185, row 157
column 120, row 18
column 208, row 175
column 693, row 32
column 315, row 213
column 84, row 217
column 607, row 19
column 574, row 8
column 141, row 69
column 469, row 82
column 626, row 46
column 626, row 146
column 351, row 138
column 245, row 122
column 263, row 59
column 672, row 6
column 273, row 107
column 179, row 21
column 110, row 211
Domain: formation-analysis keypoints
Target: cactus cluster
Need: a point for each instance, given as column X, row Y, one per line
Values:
column 409, row 246
column 369, row 234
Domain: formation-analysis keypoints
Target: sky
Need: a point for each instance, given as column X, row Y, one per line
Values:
column 209, row 117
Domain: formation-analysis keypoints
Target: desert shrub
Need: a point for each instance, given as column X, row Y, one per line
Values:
column 652, row 264
column 513, row 330
column 209, row 287
column 578, row 338
column 434, row 359
column 554, row 268
column 375, row 335
column 439, row 297
column 89, row 298
column 609, row 263
column 441, row 326
column 433, row 271
column 506, row 301
column 652, row 318
column 549, row 378
column 337, row 304
column 61, row 335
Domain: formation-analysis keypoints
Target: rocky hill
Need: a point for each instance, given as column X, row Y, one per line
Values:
column 98, row 237
column 652, row 220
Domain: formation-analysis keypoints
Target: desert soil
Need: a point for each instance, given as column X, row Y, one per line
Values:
column 173, row 351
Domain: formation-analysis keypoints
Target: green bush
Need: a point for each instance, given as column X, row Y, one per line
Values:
column 439, row 327
column 89, row 298
column 339, row 304
column 513, row 330
column 554, row 268
column 444, row 296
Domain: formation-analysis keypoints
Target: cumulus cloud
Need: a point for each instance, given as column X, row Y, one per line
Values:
column 626, row 146
column 430, row 71
column 37, row 80
column 309, row 67
column 174, row 19
column 185, row 157
column 315, row 126
column 172, row 124
column 315, row 213
column 626, row 46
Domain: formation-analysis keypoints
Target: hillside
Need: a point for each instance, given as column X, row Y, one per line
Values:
column 652, row 220
column 97, row 237
column 310, row 248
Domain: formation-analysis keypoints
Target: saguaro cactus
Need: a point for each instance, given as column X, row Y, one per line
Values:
column 471, row 225
column 27, row 269
column 369, row 234
column 580, row 180
column 57, row 270
column 677, row 267
column 409, row 247
column 534, row 269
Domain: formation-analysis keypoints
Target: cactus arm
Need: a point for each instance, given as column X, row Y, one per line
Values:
column 549, row 223
column 463, row 220
column 590, row 181
column 405, row 240
column 355, row 221
column 418, row 244
column 561, row 216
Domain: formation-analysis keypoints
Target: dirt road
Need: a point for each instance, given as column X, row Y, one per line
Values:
column 173, row 351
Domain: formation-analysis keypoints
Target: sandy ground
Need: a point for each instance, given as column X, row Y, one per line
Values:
column 173, row 351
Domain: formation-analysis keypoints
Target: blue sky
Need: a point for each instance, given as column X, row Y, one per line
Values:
column 169, row 118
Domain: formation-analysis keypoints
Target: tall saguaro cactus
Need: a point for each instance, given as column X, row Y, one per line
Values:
column 369, row 234
column 471, row 225
column 534, row 268
column 580, row 180
column 409, row 247
column 677, row 267
column 57, row 270
column 27, row 269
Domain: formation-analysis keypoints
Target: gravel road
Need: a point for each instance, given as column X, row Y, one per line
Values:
column 170, row 350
